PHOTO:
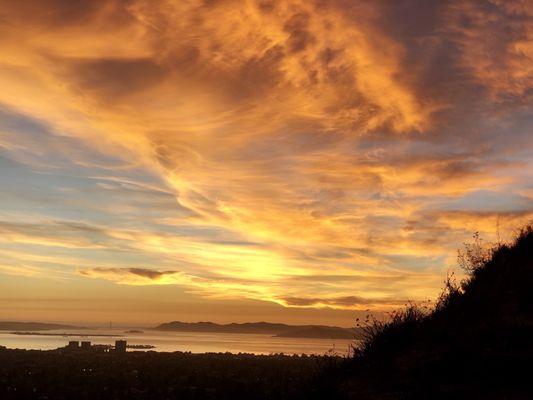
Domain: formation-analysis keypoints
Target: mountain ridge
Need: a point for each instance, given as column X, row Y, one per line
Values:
column 275, row 329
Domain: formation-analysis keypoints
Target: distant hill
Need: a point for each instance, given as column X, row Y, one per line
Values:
column 32, row 326
column 280, row 330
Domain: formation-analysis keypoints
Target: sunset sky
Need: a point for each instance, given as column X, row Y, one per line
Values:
column 284, row 160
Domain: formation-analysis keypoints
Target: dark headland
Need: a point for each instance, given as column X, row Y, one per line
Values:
column 279, row 330
column 33, row 326
column 475, row 344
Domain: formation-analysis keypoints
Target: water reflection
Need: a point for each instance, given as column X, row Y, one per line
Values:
column 195, row 342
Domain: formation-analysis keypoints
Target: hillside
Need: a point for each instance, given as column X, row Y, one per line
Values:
column 280, row 330
column 476, row 343
column 32, row 326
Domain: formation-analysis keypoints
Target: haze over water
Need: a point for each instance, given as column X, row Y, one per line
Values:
column 195, row 342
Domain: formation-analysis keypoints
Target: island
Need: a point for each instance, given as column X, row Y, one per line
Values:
column 33, row 326
column 274, row 329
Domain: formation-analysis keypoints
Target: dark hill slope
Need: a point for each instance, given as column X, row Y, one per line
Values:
column 476, row 344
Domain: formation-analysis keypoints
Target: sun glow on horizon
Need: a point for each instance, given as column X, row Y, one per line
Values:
column 323, row 155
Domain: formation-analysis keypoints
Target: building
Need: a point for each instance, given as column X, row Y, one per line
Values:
column 120, row 346
column 73, row 345
column 86, row 345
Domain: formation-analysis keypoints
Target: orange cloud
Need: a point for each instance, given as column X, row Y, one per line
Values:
column 278, row 140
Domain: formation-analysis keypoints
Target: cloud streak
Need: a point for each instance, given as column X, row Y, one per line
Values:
column 262, row 145
column 134, row 276
column 343, row 302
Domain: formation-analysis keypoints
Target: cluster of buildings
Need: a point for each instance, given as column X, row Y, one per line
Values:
column 75, row 345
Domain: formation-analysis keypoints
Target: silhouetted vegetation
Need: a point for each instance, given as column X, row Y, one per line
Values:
column 475, row 343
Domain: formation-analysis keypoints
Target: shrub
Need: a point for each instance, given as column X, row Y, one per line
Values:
column 382, row 336
column 491, row 272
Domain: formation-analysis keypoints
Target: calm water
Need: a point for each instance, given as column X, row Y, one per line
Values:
column 195, row 342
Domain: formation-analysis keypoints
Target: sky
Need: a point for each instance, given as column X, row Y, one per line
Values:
column 297, row 161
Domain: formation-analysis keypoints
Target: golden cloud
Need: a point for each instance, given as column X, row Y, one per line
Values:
column 318, row 135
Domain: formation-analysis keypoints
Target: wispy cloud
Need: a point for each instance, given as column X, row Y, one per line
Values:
column 264, row 145
column 134, row 276
column 349, row 302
